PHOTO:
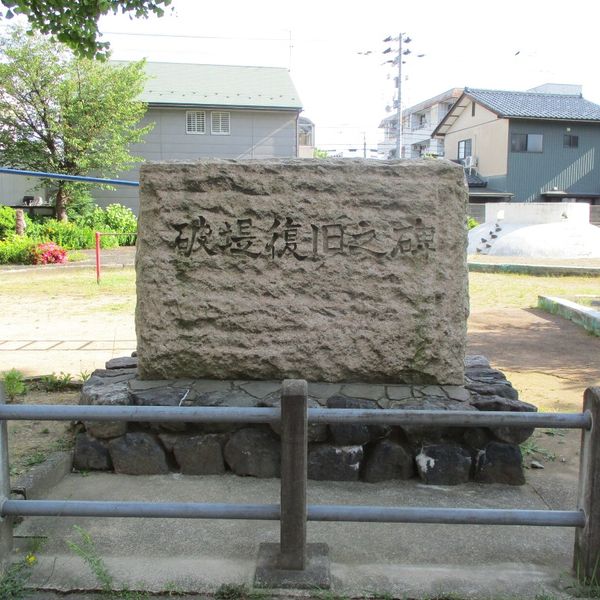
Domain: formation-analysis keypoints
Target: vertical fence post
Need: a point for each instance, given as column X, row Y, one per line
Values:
column 97, row 256
column 6, row 539
column 294, row 427
column 586, row 557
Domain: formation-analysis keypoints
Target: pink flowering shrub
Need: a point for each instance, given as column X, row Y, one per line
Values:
column 48, row 253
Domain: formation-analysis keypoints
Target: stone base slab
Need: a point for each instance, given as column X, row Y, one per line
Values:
column 315, row 576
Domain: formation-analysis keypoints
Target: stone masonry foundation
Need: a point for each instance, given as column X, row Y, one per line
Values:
column 370, row 453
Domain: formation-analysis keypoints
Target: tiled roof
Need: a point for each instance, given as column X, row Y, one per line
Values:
column 219, row 85
column 535, row 105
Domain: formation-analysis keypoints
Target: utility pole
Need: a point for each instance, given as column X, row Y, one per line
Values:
column 399, row 100
column 398, row 60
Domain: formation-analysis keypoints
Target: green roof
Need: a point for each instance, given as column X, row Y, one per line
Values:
column 219, row 85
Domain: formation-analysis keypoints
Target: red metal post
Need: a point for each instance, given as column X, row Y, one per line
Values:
column 98, row 234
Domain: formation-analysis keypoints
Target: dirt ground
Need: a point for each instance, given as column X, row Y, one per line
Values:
column 550, row 361
column 30, row 442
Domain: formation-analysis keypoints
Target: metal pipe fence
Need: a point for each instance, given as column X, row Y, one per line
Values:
column 293, row 512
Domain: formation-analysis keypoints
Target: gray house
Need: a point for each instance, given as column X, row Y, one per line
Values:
column 532, row 146
column 214, row 111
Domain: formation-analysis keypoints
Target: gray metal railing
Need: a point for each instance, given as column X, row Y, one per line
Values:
column 293, row 512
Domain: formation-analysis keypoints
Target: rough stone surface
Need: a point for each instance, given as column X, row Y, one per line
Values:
column 388, row 451
column 166, row 396
column 334, row 463
column 104, row 388
column 417, row 433
column 316, row 432
column 511, row 435
column 138, row 453
column 199, row 455
column 388, row 460
column 335, row 270
column 444, row 464
column 90, row 454
column 122, row 362
column 351, row 434
column 500, row 463
column 255, row 452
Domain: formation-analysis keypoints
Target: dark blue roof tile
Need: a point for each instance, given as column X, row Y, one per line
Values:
column 536, row 105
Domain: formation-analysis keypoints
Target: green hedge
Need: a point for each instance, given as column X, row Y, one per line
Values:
column 71, row 236
column 16, row 250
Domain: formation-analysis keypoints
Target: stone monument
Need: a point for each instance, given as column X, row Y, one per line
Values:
column 349, row 274
column 326, row 270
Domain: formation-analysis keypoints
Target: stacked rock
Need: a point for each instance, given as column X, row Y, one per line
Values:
column 337, row 452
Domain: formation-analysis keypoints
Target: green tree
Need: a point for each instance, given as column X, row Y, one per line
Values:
column 75, row 22
column 65, row 114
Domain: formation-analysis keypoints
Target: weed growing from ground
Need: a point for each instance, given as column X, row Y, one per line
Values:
column 14, row 384
column 15, row 578
column 56, row 383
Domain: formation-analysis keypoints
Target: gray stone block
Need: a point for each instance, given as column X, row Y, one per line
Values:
column 199, row 455
column 124, row 362
column 260, row 389
column 500, row 463
column 457, row 392
column 322, row 391
column 388, row 459
column 511, row 435
column 90, row 454
column 163, row 396
column 419, row 433
column 354, row 434
column 443, row 464
column 363, row 390
column 334, row 463
column 105, row 429
column 211, row 385
column 138, row 453
column 255, row 452
column 399, row 392
column 316, row 432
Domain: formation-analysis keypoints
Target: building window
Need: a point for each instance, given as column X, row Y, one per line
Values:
column 526, row 142
column 472, row 109
column 570, row 141
column 464, row 149
column 195, row 121
column 219, row 124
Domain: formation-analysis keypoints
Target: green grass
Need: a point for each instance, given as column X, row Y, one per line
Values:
column 75, row 283
column 503, row 290
column 116, row 292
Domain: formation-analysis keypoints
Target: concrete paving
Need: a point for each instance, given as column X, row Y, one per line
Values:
column 406, row 561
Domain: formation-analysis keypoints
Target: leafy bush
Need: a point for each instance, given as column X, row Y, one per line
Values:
column 116, row 218
column 72, row 236
column 47, row 254
column 7, row 222
column 16, row 250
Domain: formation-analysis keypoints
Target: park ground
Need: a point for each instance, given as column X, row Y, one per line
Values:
column 59, row 320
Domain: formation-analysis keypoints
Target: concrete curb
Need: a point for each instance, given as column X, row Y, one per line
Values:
column 38, row 482
column 586, row 317
column 529, row 269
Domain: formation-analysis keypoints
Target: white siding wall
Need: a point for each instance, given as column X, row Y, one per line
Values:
column 254, row 134
column 14, row 187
